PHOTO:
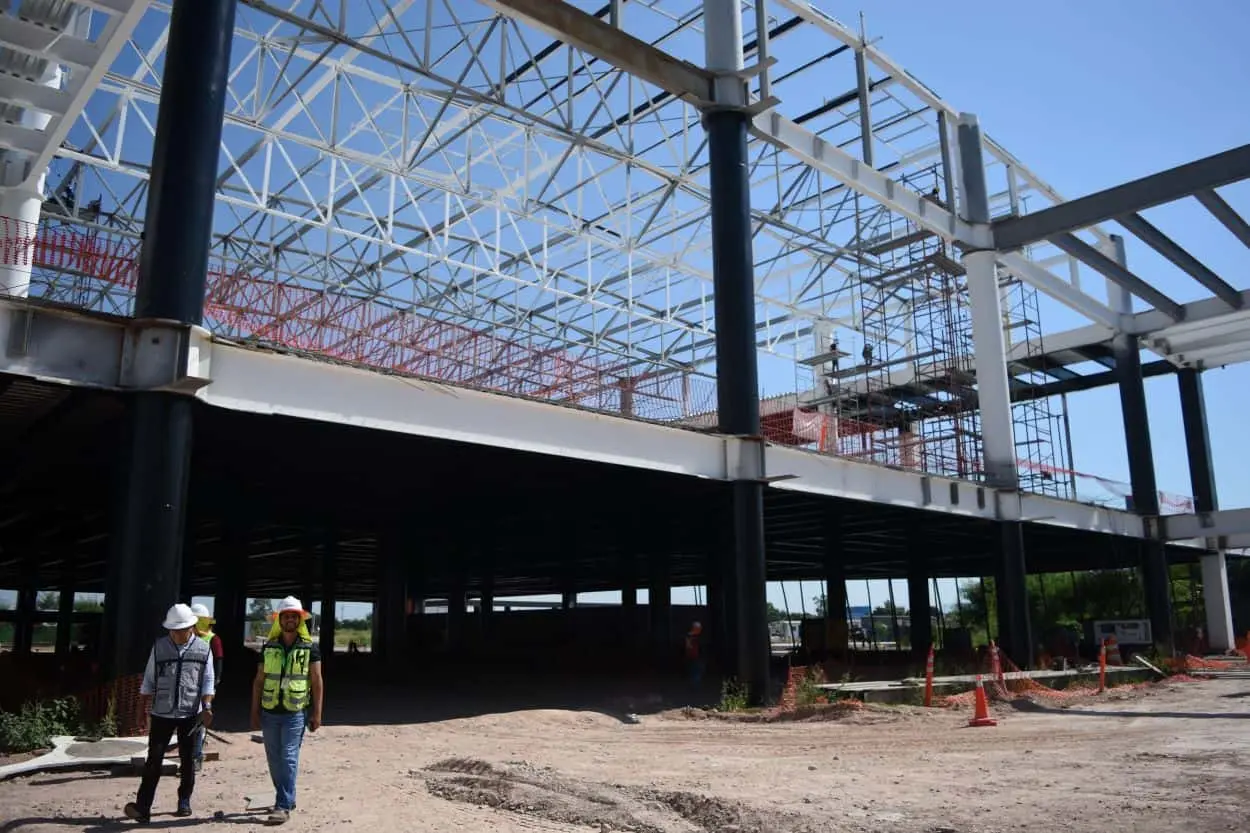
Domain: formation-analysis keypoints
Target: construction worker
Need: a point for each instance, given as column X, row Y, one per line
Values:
column 204, row 630
column 177, row 691
column 694, row 656
column 287, row 696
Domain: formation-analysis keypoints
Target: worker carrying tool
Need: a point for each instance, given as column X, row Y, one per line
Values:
column 287, row 695
column 204, row 630
column 177, row 691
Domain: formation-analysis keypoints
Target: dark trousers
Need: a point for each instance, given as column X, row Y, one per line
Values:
column 160, row 731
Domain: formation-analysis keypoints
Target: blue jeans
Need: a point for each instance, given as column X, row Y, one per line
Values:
column 283, row 735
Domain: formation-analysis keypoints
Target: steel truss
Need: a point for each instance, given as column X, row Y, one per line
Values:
column 433, row 187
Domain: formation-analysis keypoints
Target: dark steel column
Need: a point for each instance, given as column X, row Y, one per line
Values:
column 147, row 537
column 1197, row 440
column 1155, row 580
column 737, row 373
column 329, row 592
column 837, row 627
column 918, row 603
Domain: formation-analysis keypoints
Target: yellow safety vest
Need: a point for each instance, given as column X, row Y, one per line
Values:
column 207, row 636
column 286, row 676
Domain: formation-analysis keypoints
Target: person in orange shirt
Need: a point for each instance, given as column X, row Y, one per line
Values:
column 694, row 656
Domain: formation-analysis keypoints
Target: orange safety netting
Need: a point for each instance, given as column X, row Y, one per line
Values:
column 1005, row 681
column 1189, row 662
column 121, row 700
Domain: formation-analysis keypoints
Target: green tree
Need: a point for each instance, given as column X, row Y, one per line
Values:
column 775, row 614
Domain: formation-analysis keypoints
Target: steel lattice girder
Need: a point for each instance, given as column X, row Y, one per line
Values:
column 428, row 159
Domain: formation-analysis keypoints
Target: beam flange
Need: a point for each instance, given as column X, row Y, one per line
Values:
column 1166, row 186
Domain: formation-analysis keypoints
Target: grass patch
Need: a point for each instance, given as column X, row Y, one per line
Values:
column 343, row 638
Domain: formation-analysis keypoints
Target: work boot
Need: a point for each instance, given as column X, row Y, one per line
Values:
column 279, row 816
column 184, row 808
column 132, row 811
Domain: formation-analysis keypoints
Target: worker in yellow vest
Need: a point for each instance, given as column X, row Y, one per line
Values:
column 287, row 696
column 204, row 630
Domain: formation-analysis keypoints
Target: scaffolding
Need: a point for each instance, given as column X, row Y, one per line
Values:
column 909, row 399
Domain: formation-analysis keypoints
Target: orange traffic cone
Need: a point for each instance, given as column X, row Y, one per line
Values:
column 982, row 715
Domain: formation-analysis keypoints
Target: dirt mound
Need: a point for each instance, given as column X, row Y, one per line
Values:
column 850, row 711
column 528, row 791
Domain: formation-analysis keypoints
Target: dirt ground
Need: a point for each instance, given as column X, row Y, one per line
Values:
column 1176, row 756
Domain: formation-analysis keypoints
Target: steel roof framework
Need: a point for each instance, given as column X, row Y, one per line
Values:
column 436, row 157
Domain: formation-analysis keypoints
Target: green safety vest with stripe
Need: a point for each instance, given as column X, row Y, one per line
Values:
column 286, row 676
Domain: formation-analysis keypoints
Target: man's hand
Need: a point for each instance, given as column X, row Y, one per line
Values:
column 206, row 717
column 255, row 720
column 314, row 722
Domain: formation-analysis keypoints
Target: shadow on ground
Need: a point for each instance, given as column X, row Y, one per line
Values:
column 1033, row 706
column 100, row 824
column 357, row 700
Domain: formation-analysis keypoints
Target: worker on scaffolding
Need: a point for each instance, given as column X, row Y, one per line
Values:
column 204, row 630
column 694, row 654
column 177, row 692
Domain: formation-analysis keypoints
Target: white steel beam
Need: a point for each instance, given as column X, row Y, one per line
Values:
column 1221, row 524
column 826, row 157
column 103, row 51
column 1059, row 289
column 835, row 28
column 271, row 383
column 588, row 33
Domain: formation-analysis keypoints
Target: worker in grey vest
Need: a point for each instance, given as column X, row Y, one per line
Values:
column 177, row 690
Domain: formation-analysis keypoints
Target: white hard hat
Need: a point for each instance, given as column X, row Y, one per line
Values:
column 179, row 617
column 291, row 605
column 201, row 611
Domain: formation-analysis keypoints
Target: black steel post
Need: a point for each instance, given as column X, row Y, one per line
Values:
column 1155, row 577
column 837, row 622
column 147, row 536
column 1015, row 628
column 329, row 592
column 737, row 376
column 918, row 602
column 1197, row 440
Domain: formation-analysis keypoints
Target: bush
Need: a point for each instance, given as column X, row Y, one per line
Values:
column 733, row 697
column 807, row 692
column 37, row 723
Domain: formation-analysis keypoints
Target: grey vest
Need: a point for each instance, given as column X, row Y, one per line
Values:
column 179, row 677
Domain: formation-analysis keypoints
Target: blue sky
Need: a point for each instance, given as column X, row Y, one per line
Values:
column 1089, row 95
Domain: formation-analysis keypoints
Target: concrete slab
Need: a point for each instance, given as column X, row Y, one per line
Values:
column 69, row 752
column 908, row 689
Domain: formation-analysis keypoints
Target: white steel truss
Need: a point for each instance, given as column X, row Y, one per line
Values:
column 438, row 159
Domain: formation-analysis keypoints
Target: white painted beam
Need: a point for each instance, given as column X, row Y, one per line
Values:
column 272, row 383
column 1224, row 523
column 805, row 145
column 1059, row 289
column 571, row 25
column 108, row 45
